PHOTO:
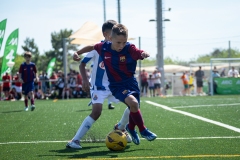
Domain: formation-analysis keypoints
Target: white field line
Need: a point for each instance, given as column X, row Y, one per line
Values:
column 218, row 105
column 103, row 140
column 196, row 117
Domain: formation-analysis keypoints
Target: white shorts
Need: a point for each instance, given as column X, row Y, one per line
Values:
column 100, row 96
column 18, row 89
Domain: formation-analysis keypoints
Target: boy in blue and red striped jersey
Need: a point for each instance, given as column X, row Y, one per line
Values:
column 27, row 74
column 120, row 60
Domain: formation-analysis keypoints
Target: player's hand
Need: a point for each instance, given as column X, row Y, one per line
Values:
column 145, row 54
column 36, row 79
column 86, row 85
column 76, row 57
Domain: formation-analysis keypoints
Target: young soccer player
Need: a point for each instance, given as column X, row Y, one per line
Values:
column 27, row 74
column 120, row 60
column 99, row 90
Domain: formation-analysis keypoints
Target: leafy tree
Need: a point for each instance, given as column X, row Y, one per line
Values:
column 217, row 53
column 57, row 45
column 18, row 61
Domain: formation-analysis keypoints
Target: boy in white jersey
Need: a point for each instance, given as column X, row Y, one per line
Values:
column 99, row 91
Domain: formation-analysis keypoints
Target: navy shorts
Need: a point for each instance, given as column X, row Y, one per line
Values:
column 122, row 90
column 27, row 87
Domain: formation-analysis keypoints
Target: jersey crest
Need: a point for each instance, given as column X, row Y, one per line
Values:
column 101, row 65
column 122, row 59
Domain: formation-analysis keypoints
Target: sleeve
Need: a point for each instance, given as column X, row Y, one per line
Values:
column 135, row 52
column 20, row 69
column 89, row 56
column 34, row 69
column 98, row 47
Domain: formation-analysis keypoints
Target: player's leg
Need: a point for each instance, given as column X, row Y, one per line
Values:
column 32, row 99
column 85, row 126
column 110, row 106
column 121, row 125
column 25, row 94
column 31, row 95
column 135, row 118
column 97, row 101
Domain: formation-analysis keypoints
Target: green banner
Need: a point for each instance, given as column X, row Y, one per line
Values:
column 2, row 31
column 228, row 85
column 10, row 52
column 50, row 67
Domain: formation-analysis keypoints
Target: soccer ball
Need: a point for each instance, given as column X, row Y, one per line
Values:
column 116, row 140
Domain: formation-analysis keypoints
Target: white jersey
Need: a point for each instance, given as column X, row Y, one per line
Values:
column 99, row 79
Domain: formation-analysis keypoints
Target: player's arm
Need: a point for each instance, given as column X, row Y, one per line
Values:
column 137, row 53
column 35, row 73
column 81, row 51
column 20, row 75
column 85, row 81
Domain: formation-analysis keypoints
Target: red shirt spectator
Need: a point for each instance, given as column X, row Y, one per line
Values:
column 79, row 79
column 17, row 82
column 53, row 78
column 6, row 80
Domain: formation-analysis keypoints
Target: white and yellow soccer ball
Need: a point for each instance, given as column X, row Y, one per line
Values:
column 116, row 140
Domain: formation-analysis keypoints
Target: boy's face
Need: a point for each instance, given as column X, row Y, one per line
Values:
column 27, row 58
column 118, row 42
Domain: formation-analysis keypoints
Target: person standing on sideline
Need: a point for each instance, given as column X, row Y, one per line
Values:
column 184, row 78
column 144, row 82
column 233, row 72
column 6, row 85
column 151, row 86
column 199, row 74
column 27, row 74
column 190, row 83
column 157, row 82
column 99, row 88
column 120, row 60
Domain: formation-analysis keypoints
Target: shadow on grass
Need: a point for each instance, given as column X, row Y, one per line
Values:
column 73, row 153
column 83, row 110
column 13, row 111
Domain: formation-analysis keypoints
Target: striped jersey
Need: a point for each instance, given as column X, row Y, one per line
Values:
column 120, row 66
column 28, row 72
column 99, row 79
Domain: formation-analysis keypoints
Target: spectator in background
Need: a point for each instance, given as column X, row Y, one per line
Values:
column 72, row 83
column 233, row 72
column 222, row 74
column 60, row 85
column 190, row 83
column 6, row 85
column 18, row 84
column 157, row 82
column 65, row 92
column 151, row 86
column 44, row 82
column 53, row 80
column 79, row 79
column 185, row 91
column 199, row 74
column 13, row 95
column 144, row 82
column 214, row 75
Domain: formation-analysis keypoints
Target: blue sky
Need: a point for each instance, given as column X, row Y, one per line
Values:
column 197, row 27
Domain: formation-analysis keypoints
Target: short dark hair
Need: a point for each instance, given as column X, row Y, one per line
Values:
column 108, row 25
column 119, row 29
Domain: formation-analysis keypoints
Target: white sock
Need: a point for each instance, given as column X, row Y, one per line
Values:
column 85, row 126
column 109, row 102
column 125, row 119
